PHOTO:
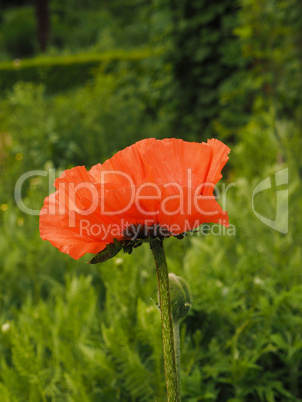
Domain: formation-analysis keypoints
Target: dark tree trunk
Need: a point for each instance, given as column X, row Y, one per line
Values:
column 43, row 22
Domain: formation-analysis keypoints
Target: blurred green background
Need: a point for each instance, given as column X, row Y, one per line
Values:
column 80, row 80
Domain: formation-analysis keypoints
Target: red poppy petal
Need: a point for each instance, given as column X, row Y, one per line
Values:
column 132, row 205
column 220, row 158
column 126, row 166
column 177, row 161
column 65, row 231
column 95, row 172
column 143, row 184
column 187, row 209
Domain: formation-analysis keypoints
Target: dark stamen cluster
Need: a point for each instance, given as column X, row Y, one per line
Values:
column 143, row 232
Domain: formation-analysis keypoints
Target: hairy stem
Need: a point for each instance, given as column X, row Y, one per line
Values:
column 177, row 349
column 166, row 319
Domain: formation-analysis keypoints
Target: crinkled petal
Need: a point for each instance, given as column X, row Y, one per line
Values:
column 154, row 182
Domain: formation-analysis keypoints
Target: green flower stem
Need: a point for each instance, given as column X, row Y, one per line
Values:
column 177, row 349
column 166, row 318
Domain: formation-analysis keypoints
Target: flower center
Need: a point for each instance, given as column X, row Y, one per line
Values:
column 143, row 232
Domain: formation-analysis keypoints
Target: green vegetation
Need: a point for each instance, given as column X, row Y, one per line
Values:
column 70, row 331
column 60, row 73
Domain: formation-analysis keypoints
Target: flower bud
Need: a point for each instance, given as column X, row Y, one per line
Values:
column 180, row 297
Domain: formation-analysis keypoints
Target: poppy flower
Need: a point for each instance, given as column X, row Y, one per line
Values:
column 154, row 188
